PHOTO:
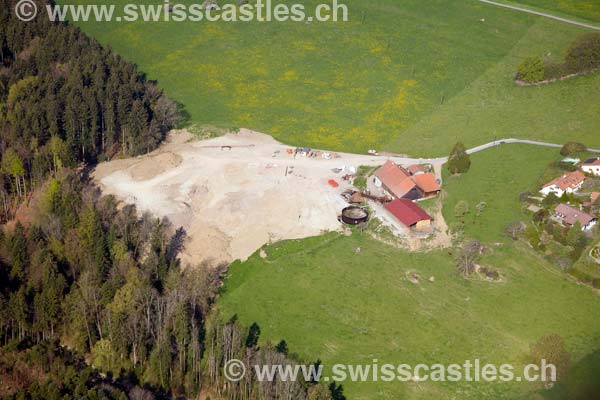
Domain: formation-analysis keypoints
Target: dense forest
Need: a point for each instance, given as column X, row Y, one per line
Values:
column 94, row 303
column 66, row 100
column 105, row 283
column 90, row 278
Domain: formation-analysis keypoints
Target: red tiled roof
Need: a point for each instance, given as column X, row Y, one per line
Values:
column 570, row 180
column 413, row 169
column 426, row 182
column 594, row 197
column 394, row 179
column 404, row 187
column 592, row 162
column 399, row 183
column 571, row 215
column 407, row 212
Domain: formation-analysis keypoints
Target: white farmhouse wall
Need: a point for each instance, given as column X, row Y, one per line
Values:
column 552, row 189
column 591, row 169
column 589, row 226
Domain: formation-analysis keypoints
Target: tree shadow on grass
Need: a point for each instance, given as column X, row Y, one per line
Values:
column 185, row 119
column 582, row 382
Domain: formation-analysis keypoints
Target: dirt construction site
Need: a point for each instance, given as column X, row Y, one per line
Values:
column 234, row 193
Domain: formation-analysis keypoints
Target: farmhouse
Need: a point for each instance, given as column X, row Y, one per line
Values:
column 569, row 216
column 400, row 184
column 409, row 213
column 568, row 183
column 591, row 166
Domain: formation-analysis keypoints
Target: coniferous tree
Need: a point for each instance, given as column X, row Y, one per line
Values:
column 459, row 161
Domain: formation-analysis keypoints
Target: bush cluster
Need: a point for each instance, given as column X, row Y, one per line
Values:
column 583, row 56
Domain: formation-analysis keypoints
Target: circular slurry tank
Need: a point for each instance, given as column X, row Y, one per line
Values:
column 354, row 215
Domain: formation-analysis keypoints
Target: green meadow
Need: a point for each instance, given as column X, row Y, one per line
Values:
column 511, row 169
column 584, row 9
column 411, row 77
column 330, row 303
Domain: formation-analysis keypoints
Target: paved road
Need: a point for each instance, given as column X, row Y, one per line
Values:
column 522, row 141
column 439, row 162
column 495, row 143
column 541, row 14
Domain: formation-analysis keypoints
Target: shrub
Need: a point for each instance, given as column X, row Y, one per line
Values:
column 490, row 273
column 591, row 183
column 467, row 257
column 571, row 148
column 532, row 236
column 514, row 229
column 461, row 209
column 480, row 208
column 549, row 227
column 576, row 253
column 563, row 263
column 580, row 275
column 531, row 70
column 564, row 166
column 584, row 54
column 524, row 197
column 550, row 200
column 360, row 183
column 576, row 237
column 555, row 70
column 540, row 216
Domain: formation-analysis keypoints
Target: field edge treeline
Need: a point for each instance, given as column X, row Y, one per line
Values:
column 66, row 100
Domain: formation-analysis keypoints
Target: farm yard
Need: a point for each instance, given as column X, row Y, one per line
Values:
column 328, row 301
column 236, row 192
column 410, row 77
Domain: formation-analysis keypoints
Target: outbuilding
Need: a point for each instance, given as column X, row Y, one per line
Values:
column 409, row 213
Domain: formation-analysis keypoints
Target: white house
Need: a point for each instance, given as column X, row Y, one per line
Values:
column 591, row 166
column 569, row 183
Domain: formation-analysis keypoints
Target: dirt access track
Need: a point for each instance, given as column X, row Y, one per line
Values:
column 234, row 193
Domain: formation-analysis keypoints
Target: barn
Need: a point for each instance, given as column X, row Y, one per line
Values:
column 409, row 213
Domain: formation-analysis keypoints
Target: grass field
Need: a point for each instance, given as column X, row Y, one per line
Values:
column 411, row 76
column 328, row 302
column 514, row 168
column 586, row 9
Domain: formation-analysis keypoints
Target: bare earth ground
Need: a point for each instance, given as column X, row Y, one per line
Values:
column 233, row 201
